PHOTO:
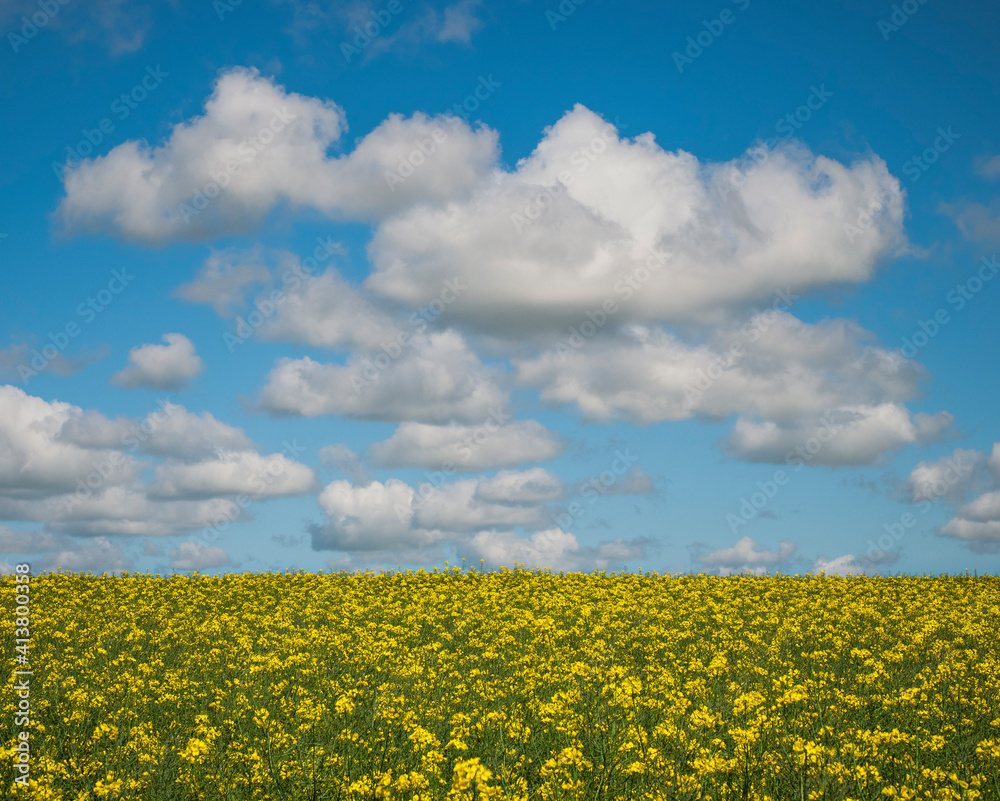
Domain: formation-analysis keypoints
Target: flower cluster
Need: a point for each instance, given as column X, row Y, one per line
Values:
column 512, row 684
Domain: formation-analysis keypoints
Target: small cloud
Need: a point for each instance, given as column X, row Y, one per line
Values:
column 29, row 354
column 846, row 565
column 395, row 517
column 490, row 444
column 119, row 25
column 288, row 541
column 99, row 555
column 50, row 551
column 338, row 563
column 977, row 221
column 635, row 482
column 224, row 280
column 28, row 541
column 164, row 367
column 456, row 23
column 232, row 473
column 513, row 487
column 746, row 556
column 947, row 478
column 554, row 549
column 951, row 480
column 988, row 167
column 197, row 556
column 460, row 22
column 347, row 462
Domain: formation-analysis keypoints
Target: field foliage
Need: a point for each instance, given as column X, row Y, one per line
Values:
column 510, row 684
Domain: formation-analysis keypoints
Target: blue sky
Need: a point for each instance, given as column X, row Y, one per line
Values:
column 702, row 286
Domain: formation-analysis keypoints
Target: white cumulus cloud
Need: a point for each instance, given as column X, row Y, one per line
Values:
column 952, row 479
column 198, row 556
column 590, row 216
column 436, row 379
column 746, row 555
column 257, row 145
column 164, row 367
column 81, row 473
column 846, row 565
column 232, row 473
column 554, row 549
column 468, row 448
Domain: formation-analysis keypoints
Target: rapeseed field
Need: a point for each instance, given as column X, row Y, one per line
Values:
column 514, row 684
